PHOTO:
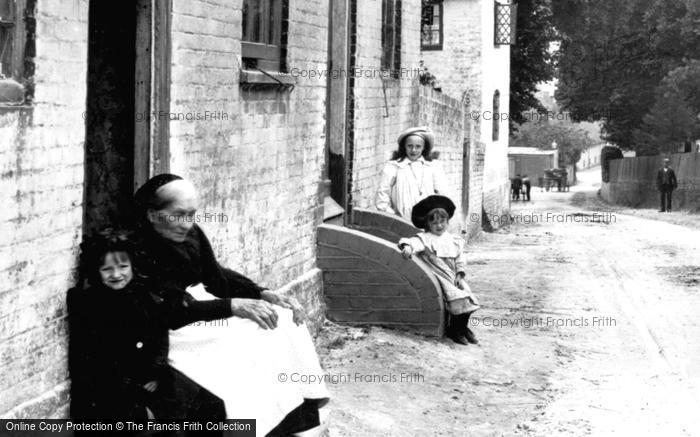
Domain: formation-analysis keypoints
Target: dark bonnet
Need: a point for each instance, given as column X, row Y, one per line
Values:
column 145, row 197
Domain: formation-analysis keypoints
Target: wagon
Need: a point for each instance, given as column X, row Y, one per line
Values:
column 556, row 177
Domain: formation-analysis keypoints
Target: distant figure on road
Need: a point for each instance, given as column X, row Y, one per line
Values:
column 526, row 186
column 666, row 182
column 516, row 184
column 687, row 145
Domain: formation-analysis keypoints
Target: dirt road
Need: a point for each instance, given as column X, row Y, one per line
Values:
column 589, row 326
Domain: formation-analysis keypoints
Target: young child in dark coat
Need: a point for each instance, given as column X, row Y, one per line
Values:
column 118, row 337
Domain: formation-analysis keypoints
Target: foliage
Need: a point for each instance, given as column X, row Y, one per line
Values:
column 675, row 116
column 530, row 59
column 425, row 77
column 570, row 139
column 613, row 60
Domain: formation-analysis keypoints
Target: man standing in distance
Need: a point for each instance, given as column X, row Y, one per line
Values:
column 666, row 182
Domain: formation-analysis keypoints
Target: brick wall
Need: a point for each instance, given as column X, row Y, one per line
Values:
column 457, row 66
column 633, row 181
column 468, row 51
column 262, row 164
column 257, row 159
column 378, row 119
column 41, row 177
column 496, row 61
column 445, row 116
column 383, row 107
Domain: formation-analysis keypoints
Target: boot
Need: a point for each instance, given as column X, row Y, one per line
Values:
column 455, row 329
column 468, row 333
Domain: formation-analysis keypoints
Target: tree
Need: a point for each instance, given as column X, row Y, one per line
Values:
column 603, row 68
column 530, row 59
column 614, row 55
column 570, row 139
column 675, row 116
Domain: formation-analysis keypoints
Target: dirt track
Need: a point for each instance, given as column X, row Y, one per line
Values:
column 589, row 326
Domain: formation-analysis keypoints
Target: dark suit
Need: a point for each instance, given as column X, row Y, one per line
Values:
column 516, row 185
column 528, row 186
column 666, row 182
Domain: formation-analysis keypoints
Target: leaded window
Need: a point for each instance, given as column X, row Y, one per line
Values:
column 505, row 23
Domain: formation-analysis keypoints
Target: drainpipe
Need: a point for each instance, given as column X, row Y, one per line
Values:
column 350, row 106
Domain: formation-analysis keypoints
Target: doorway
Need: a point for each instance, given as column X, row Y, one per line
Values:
column 128, row 100
column 110, row 114
column 337, row 106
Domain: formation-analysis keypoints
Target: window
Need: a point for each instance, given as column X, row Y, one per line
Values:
column 264, row 41
column 391, row 36
column 16, row 30
column 431, row 25
column 496, row 116
column 8, row 40
column 504, row 23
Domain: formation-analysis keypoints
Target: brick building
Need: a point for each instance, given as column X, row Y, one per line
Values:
column 97, row 96
column 464, row 47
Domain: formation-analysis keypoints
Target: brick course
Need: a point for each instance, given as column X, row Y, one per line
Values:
column 258, row 159
column 468, row 52
column 262, row 165
column 41, row 176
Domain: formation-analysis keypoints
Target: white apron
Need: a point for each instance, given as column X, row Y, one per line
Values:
column 248, row 367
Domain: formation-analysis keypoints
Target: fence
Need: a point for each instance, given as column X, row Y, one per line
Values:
column 633, row 181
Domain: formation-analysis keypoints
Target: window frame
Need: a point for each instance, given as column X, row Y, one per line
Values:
column 391, row 37
column 22, row 27
column 15, row 27
column 502, row 36
column 438, row 46
column 269, row 53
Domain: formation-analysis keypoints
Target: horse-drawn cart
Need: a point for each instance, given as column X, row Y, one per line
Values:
column 556, row 177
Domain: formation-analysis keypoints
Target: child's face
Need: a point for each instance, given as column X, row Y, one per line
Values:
column 116, row 272
column 414, row 147
column 437, row 226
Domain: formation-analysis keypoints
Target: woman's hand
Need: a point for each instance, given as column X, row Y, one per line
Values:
column 285, row 302
column 256, row 310
column 151, row 386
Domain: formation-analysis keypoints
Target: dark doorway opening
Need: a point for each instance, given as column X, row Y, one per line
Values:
column 110, row 115
column 337, row 117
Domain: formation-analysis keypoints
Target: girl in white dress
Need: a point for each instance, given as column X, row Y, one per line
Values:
column 444, row 254
column 411, row 175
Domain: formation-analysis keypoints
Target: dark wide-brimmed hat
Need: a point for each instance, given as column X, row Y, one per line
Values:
column 419, row 213
column 422, row 132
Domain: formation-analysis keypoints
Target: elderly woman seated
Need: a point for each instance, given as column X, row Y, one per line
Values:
column 238, row 361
